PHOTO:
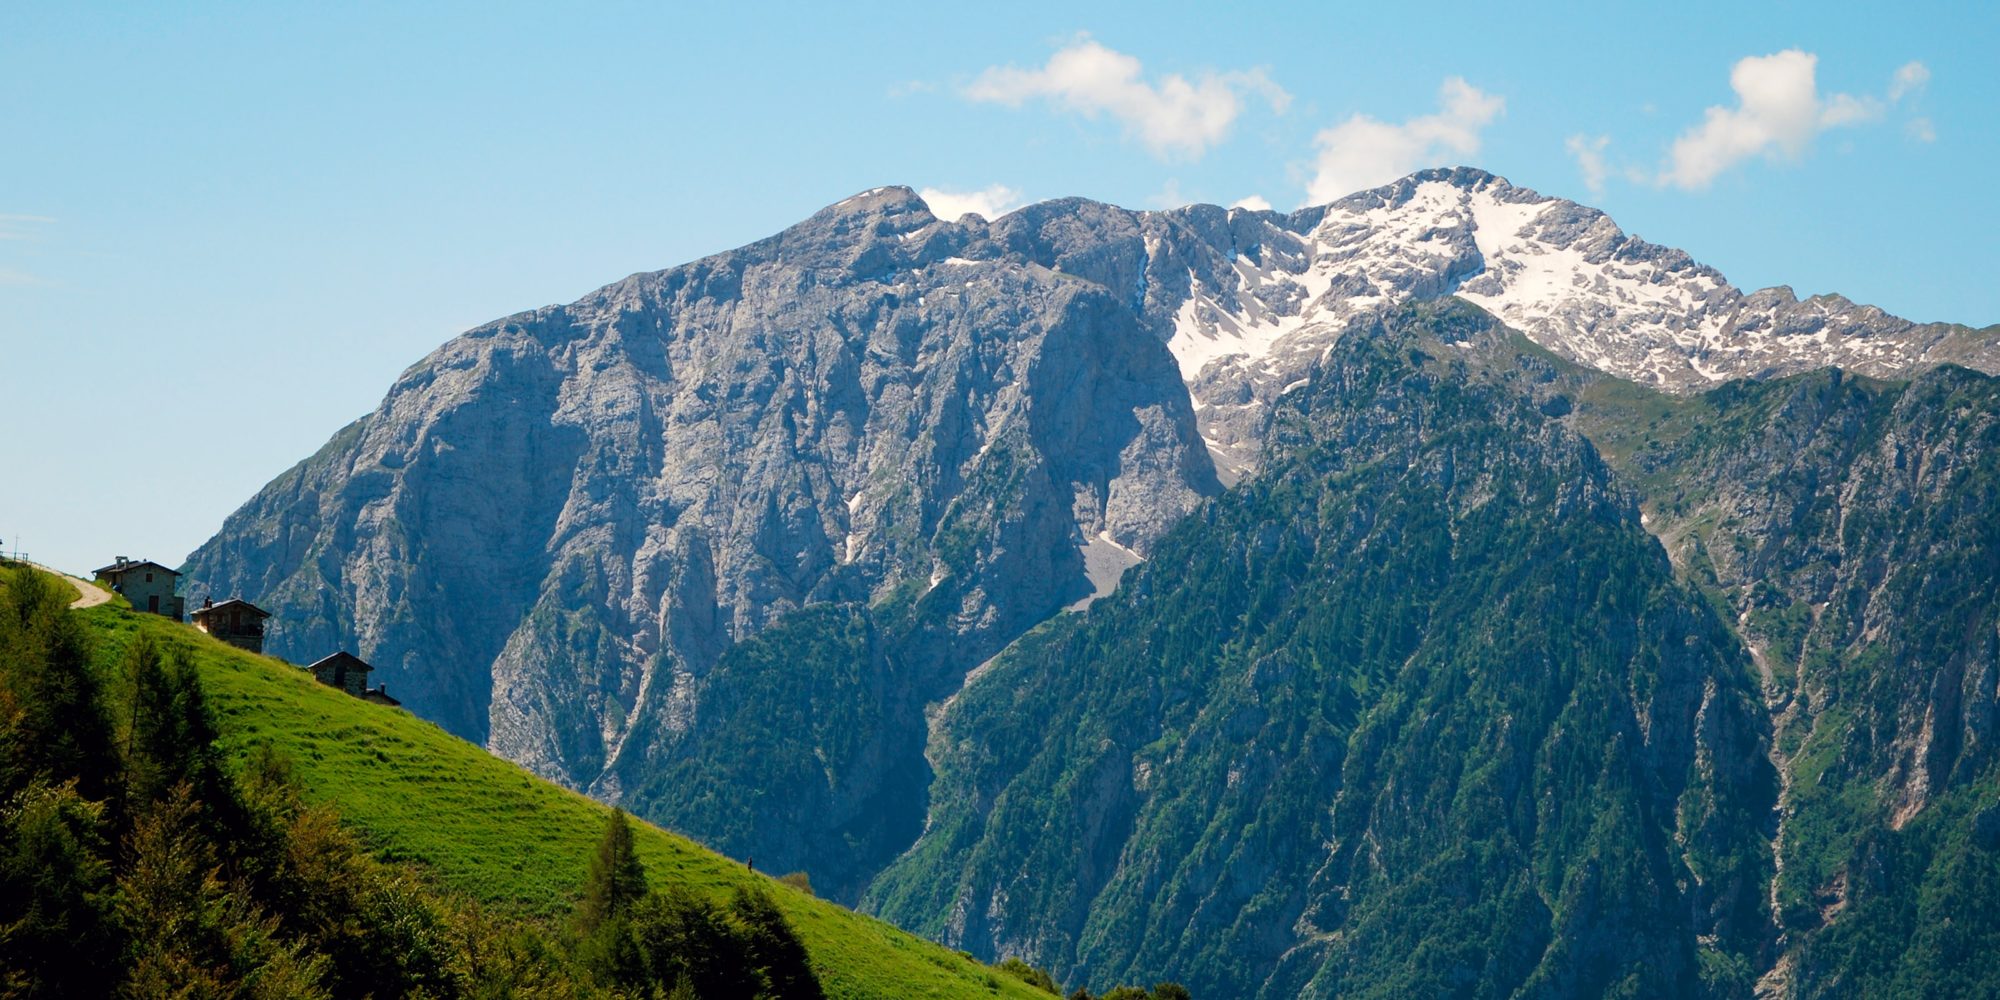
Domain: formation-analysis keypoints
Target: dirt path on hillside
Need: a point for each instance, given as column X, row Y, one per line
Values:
column 88, row 595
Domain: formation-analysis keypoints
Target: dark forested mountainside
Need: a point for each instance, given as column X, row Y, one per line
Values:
column 1851, row 530
column 1421, row 710
column 1425, row 709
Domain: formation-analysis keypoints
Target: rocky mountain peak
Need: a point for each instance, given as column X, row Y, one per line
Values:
column 1562, row 273
column 555, row 526
column 888, row 200
column 892, row 212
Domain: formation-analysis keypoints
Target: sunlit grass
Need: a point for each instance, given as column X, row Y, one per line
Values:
column 488, row 828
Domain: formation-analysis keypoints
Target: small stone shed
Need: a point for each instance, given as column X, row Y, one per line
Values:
column 349, row 672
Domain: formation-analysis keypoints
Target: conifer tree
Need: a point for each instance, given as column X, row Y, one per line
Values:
column 615, row 886
column 617, row 880
column 774, row 950
column 52, row 721
column 146, row 728
column 172, row 734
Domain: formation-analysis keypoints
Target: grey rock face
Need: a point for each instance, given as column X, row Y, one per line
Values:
column 554, row 526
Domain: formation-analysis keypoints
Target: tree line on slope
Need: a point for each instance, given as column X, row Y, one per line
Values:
column 134, row 863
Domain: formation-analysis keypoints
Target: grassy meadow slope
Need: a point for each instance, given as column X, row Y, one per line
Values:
column 490, row 829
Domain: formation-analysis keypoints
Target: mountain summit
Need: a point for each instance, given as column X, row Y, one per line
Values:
column 1562, row 273
column 609, row 539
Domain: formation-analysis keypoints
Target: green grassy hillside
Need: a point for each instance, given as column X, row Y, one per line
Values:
column 485, row 827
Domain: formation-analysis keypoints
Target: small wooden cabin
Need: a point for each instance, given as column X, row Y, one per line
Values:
column 234, row 621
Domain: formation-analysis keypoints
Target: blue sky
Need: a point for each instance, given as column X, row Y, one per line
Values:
column 224, row 229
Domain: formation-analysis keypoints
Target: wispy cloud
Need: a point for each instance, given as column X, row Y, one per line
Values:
column 1910, row 78
column 1589, row 155
column 990, row 202
column 1363, row 152
column 1255, row 203
column 1174, row 116
column 22, row 227
column 19, row 228
column 1779, row 110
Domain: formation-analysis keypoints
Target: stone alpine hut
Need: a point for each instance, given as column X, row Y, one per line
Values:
column 145, row 583
column 349, row 672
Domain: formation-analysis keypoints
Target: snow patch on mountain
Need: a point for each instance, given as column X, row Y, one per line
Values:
column 1563, row 274
column 1277, row 305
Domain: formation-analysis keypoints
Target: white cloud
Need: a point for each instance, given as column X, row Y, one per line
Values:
column 1255, row 203
column 992, row 201
column 1778, row 112
column 1921, row 130
column 1589, row 154
column 1172, row 116
column 1910, row 78
column 1845, row 109
column 1364, row 152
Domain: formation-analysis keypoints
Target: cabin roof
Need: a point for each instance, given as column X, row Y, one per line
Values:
column 206, row 609
column 124, row 565
column 342, row 658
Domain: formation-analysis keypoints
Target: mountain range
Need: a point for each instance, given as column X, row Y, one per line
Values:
column 1438, row 591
